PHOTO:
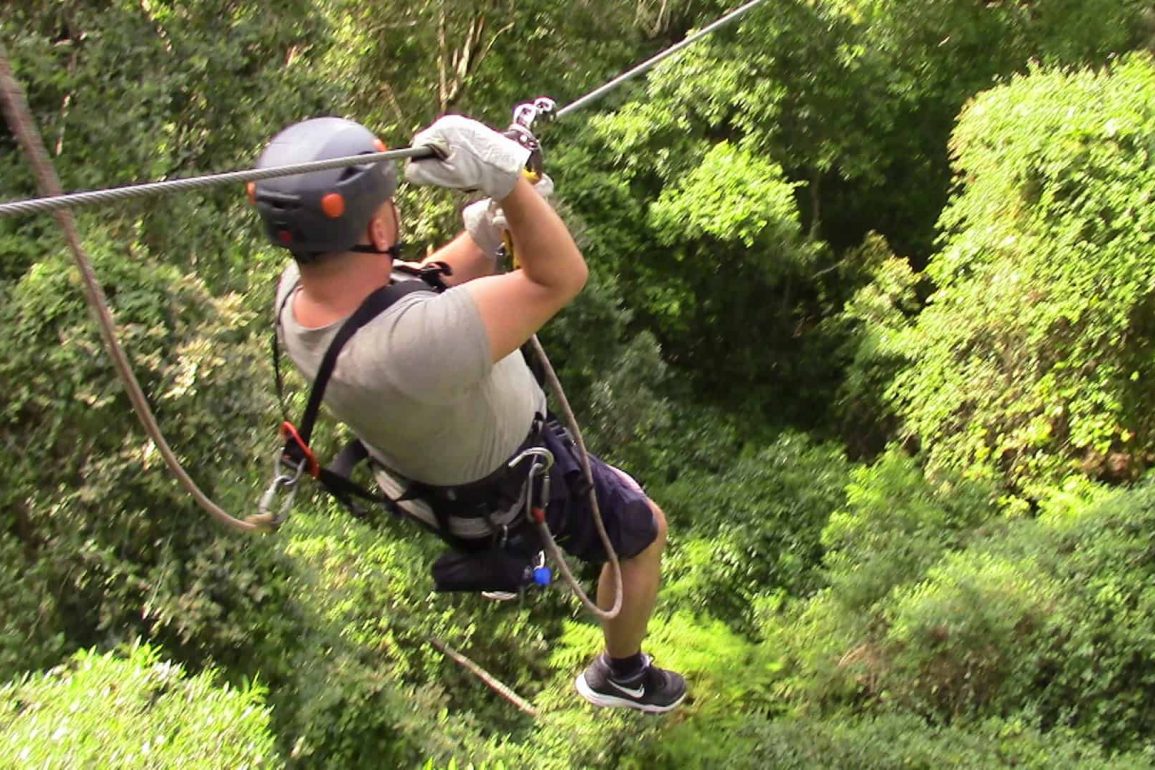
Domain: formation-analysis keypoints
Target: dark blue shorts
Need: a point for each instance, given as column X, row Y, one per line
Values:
column 624, row 507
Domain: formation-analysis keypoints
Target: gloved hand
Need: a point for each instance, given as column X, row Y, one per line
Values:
column 485, row 221
column 473, row 157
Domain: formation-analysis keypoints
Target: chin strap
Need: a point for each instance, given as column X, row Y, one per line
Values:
column 394, row 251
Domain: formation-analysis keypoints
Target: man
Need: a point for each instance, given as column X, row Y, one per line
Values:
column 435, row 386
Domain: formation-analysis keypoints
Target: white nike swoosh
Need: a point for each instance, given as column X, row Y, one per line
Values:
column 632, row 692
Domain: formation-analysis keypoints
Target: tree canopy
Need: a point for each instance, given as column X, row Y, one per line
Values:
column 870, row 314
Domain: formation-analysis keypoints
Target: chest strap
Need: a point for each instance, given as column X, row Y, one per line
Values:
column 478, row 500
column 297, row 452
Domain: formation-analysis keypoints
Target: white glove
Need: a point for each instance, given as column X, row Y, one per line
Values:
column 473, row 157
column 485, row 221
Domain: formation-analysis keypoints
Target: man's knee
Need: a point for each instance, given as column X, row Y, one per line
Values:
column 660, row 524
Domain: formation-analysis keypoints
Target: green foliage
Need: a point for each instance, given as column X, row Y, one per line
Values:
column 31, row 635
column 138, row 711
column 896, row 524
column 753, row 528
column 108, row 546
column 1096, row 668
column 1044, row 619
column 881, row 743
column 955, row 639
column 875, row 317
column 732, row 196
column 1032, row 357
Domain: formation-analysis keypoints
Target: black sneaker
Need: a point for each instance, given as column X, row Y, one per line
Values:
column 653, row 691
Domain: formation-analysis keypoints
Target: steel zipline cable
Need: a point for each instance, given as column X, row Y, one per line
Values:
column 58, row 200
column 113, row 194
column 19, row 117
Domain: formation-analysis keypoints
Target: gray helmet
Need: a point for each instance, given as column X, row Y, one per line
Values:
column 321, row 211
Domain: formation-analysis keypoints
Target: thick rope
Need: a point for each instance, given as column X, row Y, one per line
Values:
column 554, row 551
column 20, row 120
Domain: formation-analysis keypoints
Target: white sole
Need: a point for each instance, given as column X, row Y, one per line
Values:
column 609, row 701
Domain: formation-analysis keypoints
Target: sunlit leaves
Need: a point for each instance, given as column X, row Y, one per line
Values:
column 1031, row 352
column 732, row 196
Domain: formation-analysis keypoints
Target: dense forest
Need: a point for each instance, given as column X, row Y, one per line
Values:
column 871, row 314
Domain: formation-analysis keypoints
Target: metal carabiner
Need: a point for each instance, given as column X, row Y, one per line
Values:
column 542, row 461
column 534, row 451
column 282, row 480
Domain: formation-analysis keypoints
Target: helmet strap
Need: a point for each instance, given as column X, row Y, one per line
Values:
column 372, row 235
column 393, row 251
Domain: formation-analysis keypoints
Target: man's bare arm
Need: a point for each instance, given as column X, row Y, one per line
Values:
column 466, row 259
column 515, row 305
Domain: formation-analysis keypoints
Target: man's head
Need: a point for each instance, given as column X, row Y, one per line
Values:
column 324, row 212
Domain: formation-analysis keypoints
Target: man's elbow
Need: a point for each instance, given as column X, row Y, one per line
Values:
column 581, row 275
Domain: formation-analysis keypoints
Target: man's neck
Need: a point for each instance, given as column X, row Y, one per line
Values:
column 336, row 285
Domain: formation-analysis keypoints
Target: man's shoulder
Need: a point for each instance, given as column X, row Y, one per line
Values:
column 290, row 277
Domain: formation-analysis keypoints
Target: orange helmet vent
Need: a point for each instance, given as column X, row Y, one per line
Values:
column 333, row 205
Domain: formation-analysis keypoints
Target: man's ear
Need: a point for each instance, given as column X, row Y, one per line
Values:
column 379, row 231
column 385, row 227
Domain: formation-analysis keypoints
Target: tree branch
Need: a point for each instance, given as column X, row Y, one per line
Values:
column 442, row 56
column 490, row 681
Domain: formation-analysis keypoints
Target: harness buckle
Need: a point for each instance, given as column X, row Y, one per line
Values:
column 297, row 450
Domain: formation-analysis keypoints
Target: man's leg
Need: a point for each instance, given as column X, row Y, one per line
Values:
column 641, row 576
column 623, row 676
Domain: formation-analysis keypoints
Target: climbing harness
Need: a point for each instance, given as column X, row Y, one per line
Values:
column 296, row 458
column 277, row 499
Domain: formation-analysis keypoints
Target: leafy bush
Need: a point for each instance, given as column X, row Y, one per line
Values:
column 873, row 320
column 1097, row 668
column 109, row 544
column 1033, row 356
column 955, row 641
column 898, row 741
column 752, row 529
column 896, row 524
column 1046, row 620
column 133, row 712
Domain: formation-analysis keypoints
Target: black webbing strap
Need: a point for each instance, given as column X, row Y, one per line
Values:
column 431, row 274
column 336, row 477
column 278, row 376
column 374, row 305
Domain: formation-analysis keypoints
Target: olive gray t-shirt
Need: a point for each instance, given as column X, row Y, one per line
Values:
column 416, row 385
